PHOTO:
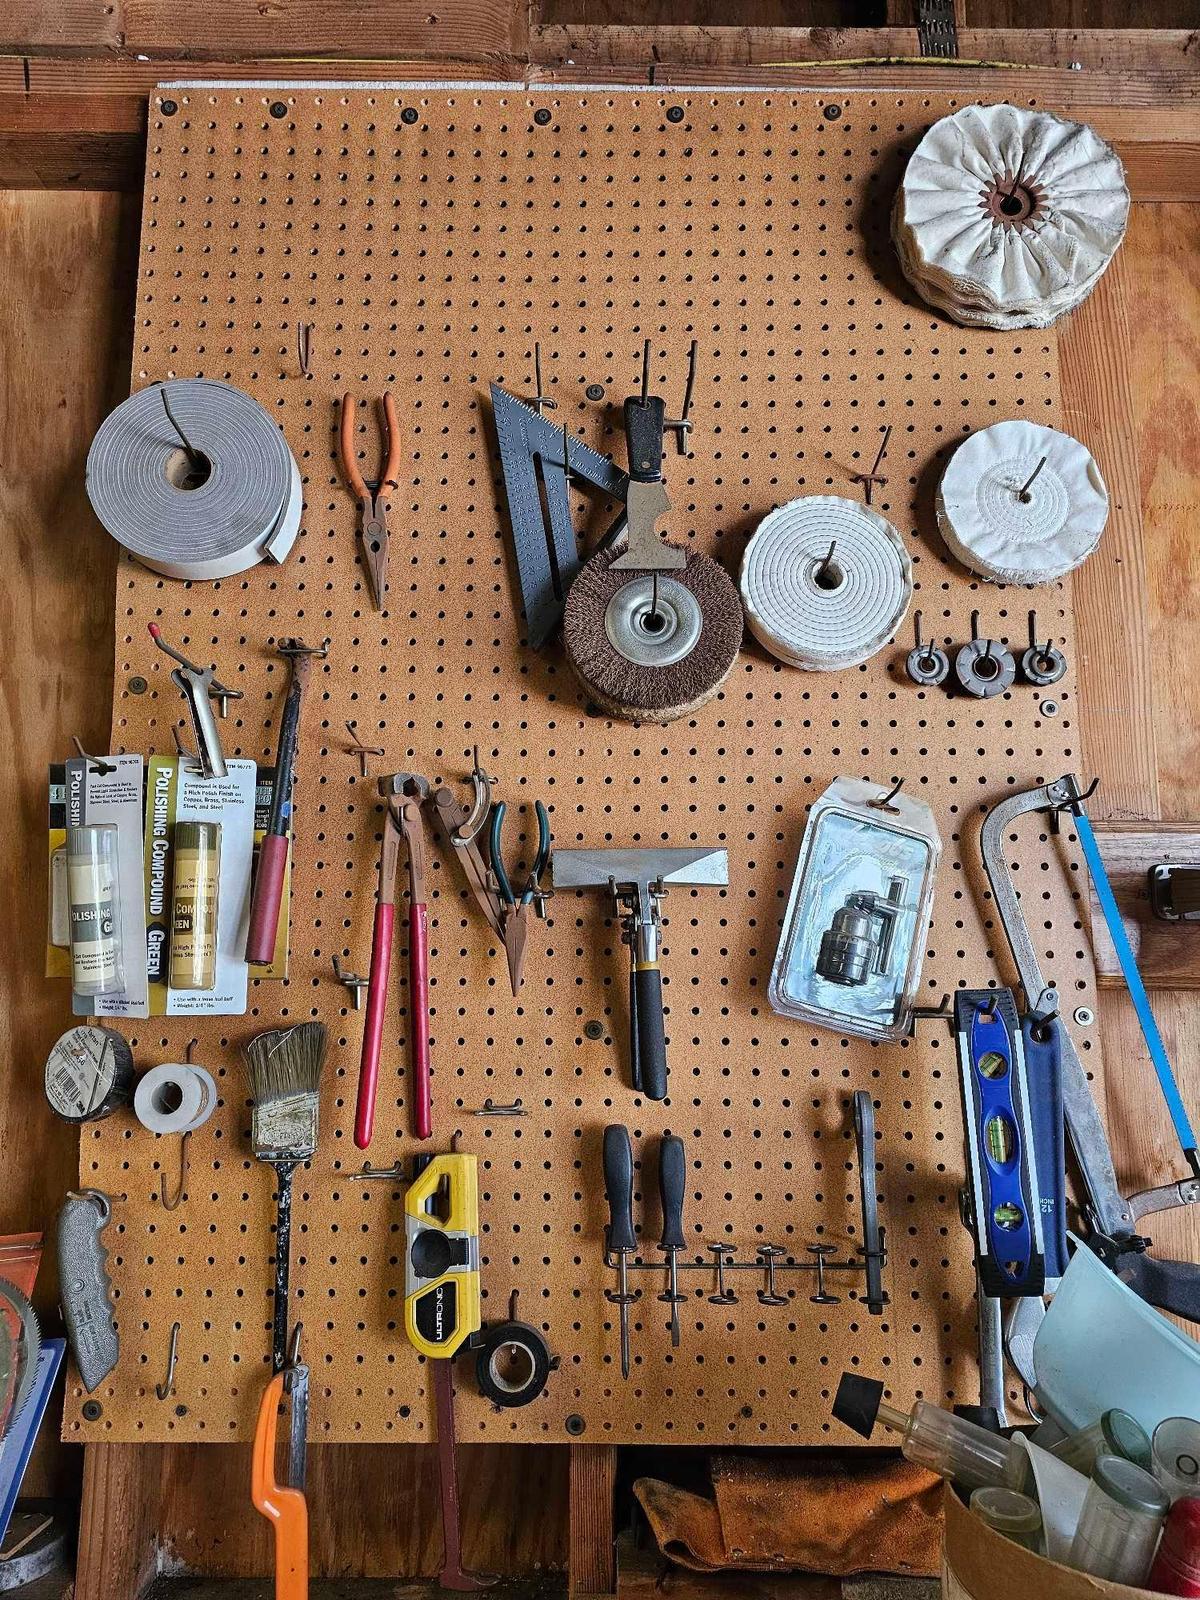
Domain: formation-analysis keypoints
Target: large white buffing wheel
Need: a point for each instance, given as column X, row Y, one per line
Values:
column 1006, row 218
column 1014, row 537
column 818, row 607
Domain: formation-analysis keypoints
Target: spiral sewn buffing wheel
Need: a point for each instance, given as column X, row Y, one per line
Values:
column 825, row 583
column 1020, row 503
column 648, row 663
column 1006, row 218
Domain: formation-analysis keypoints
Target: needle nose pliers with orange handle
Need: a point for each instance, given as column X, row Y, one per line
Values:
column 372, row 499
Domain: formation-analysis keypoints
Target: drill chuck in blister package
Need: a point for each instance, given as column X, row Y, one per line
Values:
column 853, row 939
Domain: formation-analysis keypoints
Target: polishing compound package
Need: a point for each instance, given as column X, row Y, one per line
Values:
column 1006, row 218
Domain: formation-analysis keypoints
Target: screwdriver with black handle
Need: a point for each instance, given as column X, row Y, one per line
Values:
column 619, row 1237
column 671, row 1175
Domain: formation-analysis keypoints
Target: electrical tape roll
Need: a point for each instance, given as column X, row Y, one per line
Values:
column 175, row 1098
column 89, row 1073
column 819, row 611
column 247, row 509
column 1013, row 537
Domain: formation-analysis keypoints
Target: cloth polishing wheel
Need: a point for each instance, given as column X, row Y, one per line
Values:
column 1021, row 503
column 646, row 662
column 825, row 582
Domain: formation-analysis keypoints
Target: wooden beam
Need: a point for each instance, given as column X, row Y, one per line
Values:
column 117, row 1529
column 1168, row 953
column 592, row 1562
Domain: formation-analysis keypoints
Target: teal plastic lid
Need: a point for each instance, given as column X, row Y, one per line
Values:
column 1130, row 1486
column 1125, row 1436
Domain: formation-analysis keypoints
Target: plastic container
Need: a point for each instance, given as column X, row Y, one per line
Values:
column 972, row 1456
column 1176, row 1453
column 1014, row 1515
column 1120, row 1523
column 93, row 893
column 194, row 897
column 1115, row 1434
column 1176, row 1568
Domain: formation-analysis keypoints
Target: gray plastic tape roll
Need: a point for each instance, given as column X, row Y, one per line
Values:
column 247, row 507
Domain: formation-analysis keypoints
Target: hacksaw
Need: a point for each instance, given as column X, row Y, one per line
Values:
column 536, row 480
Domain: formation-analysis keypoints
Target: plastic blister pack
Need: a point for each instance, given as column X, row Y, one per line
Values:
column 854, row 935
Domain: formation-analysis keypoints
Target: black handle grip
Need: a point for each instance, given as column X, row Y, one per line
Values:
column 671, row 1173
column 644, row 421
column 635, row 1047
column 1172, row 1286
column 652, row 1043
column 618, row 1187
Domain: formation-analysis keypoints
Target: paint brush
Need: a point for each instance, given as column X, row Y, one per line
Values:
column 284, row 1069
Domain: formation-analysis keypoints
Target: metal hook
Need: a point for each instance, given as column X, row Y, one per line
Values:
column 100, row 767
column 481, row 804
column 195, row 457
column 303, row 346
column 885, row 803
column 489, row 1108
column 173, row 1202
column 870, row 479
column 351, row 981
column 542, row 402
column 165, row 1390
column 361, row 750
column 682, row 425
column 394, row 1173
column 1023, row 494
column 187, row 1050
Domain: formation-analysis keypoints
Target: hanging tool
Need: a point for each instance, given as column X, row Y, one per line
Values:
column 85, row 1285
column 1003, row 1200
column 654, row 630
column 284, row 1069
column 517, row 908
column 403, row 793
column 442, row 1312
column 672, row 1175
column 283, row 1504
column 199, row 686
column 638, row 880
column 273, row 852
column 1173, row 1286
column 872, row 1248
column 536, row 484
column 1133, row 980
column 373, row 499
column 619, row 1238
column 646, row 500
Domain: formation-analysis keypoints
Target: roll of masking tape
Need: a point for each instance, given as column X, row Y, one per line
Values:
column 231, row 500
column 825, row 582
column 175, row 1098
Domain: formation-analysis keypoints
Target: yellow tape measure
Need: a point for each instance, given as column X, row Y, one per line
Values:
column 441, row 1263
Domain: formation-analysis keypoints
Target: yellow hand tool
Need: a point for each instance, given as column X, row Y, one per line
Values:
column 442, row 1311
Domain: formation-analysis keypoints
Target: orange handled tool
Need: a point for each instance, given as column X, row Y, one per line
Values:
column 284, row 1507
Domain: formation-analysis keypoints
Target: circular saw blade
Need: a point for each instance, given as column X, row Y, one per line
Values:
column 19, row 1347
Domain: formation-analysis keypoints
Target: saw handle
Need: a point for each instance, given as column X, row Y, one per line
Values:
column 377, row 987
column 418, row 996
column 1172, row 1286
column 267, row 899
column 285, row 1509
column 648, row 1031
column 644, row 423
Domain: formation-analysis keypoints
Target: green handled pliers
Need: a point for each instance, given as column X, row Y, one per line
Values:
column 516, row 907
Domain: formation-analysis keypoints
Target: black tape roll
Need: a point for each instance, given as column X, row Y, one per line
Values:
column 89, row 1073
column 512, row 1365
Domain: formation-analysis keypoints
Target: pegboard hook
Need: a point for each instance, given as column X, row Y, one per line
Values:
column 165, row 1389
column 95, row 763
column 304, row 331
column 171, row 1203
column 361, row 750
column 870, row 479
column 884, row 802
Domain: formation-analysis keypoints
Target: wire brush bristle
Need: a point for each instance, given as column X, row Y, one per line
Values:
column 285, row 1061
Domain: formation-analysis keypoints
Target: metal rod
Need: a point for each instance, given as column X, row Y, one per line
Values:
column 165, row 1389
column 195, row 458
column 1023, row 492
column 645, row 370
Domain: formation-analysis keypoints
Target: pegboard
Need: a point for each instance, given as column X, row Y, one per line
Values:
column 429, row 235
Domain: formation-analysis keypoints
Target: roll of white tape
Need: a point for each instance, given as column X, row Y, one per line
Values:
column 1020, row 503
column 235, row 501
column 818, row 609
column 175, row 1098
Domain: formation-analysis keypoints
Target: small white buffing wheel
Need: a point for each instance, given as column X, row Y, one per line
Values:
column 1006, row 218
column 1019, row 503
column 825, row 582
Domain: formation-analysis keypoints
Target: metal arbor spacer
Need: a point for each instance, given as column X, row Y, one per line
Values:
column 984, row 667
column 926, row 664
column 1042, row 664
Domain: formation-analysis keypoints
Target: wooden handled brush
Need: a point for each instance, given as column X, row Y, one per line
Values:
column 284, row 1068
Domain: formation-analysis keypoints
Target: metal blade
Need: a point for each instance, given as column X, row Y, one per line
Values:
column 531, row 455
column 590, row 869
column 27, row 1340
